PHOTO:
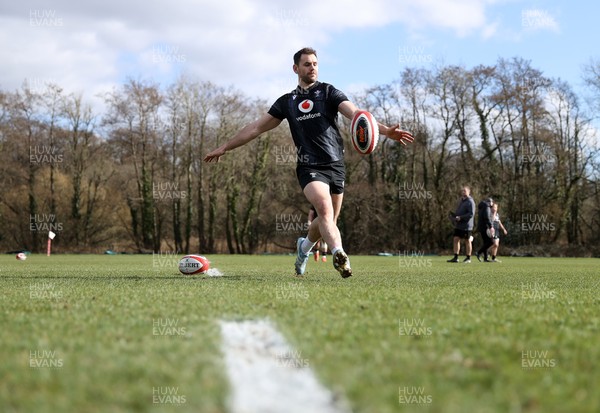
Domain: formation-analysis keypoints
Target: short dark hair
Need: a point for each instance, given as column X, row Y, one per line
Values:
column 304, row 50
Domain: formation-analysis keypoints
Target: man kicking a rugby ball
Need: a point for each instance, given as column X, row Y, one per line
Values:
column 311, row 111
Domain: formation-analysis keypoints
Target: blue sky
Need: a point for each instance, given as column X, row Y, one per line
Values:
column 564, row 40
column 90, row 47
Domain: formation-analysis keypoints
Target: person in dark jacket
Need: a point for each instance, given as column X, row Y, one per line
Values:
column 485, row 227
column 463, row 219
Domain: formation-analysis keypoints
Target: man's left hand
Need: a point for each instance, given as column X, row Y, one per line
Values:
column 399, row 135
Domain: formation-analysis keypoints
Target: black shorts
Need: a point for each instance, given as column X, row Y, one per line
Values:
column 333, row 174
column 462, row 233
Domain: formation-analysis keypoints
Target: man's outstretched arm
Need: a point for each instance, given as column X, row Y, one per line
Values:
column 249, row 132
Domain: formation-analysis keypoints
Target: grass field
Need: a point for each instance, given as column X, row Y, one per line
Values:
column 111, row 333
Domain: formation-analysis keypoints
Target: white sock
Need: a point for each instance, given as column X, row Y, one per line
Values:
column 336, row 249
column 307, row 245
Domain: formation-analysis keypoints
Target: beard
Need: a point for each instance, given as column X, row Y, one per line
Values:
column 309, row 78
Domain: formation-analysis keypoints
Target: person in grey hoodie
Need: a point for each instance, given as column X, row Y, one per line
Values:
column 463, row 220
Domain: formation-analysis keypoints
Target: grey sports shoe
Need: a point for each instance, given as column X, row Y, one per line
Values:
column 301, row 258
column 341, row 263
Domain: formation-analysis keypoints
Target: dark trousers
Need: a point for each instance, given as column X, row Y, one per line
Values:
column 487, row 243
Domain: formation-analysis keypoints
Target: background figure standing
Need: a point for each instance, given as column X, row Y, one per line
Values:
column 484, row 223
column 463, row 219
column 497, row 224
column 320, row 248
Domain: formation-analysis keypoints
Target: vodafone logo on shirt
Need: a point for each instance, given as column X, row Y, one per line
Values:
column 305, row 106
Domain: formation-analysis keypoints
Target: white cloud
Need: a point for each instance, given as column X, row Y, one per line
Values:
column 490, row 30
column 90, row 45
column 460, row 16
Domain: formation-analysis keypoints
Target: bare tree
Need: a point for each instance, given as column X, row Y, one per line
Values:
column 520, row 93
column 53, row 101
column 28, row 128
column 591, row 78
column 82, row 150
column 570, row 159
column 133, row 114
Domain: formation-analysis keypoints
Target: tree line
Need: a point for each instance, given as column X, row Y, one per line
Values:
column 131, row 179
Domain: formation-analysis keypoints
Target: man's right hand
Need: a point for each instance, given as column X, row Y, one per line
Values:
column 215, row 154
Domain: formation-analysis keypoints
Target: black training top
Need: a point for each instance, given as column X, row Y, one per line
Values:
column 485, row 216
column 312, row 117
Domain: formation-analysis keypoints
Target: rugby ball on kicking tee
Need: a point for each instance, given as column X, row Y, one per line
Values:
column 193, row 264
column 364, row 132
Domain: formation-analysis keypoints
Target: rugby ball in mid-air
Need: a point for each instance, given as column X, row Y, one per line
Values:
column 364, row 132
column 21, row 256
column 193, row 264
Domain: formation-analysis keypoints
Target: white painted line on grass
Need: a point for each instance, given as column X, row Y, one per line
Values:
column 266, row 374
